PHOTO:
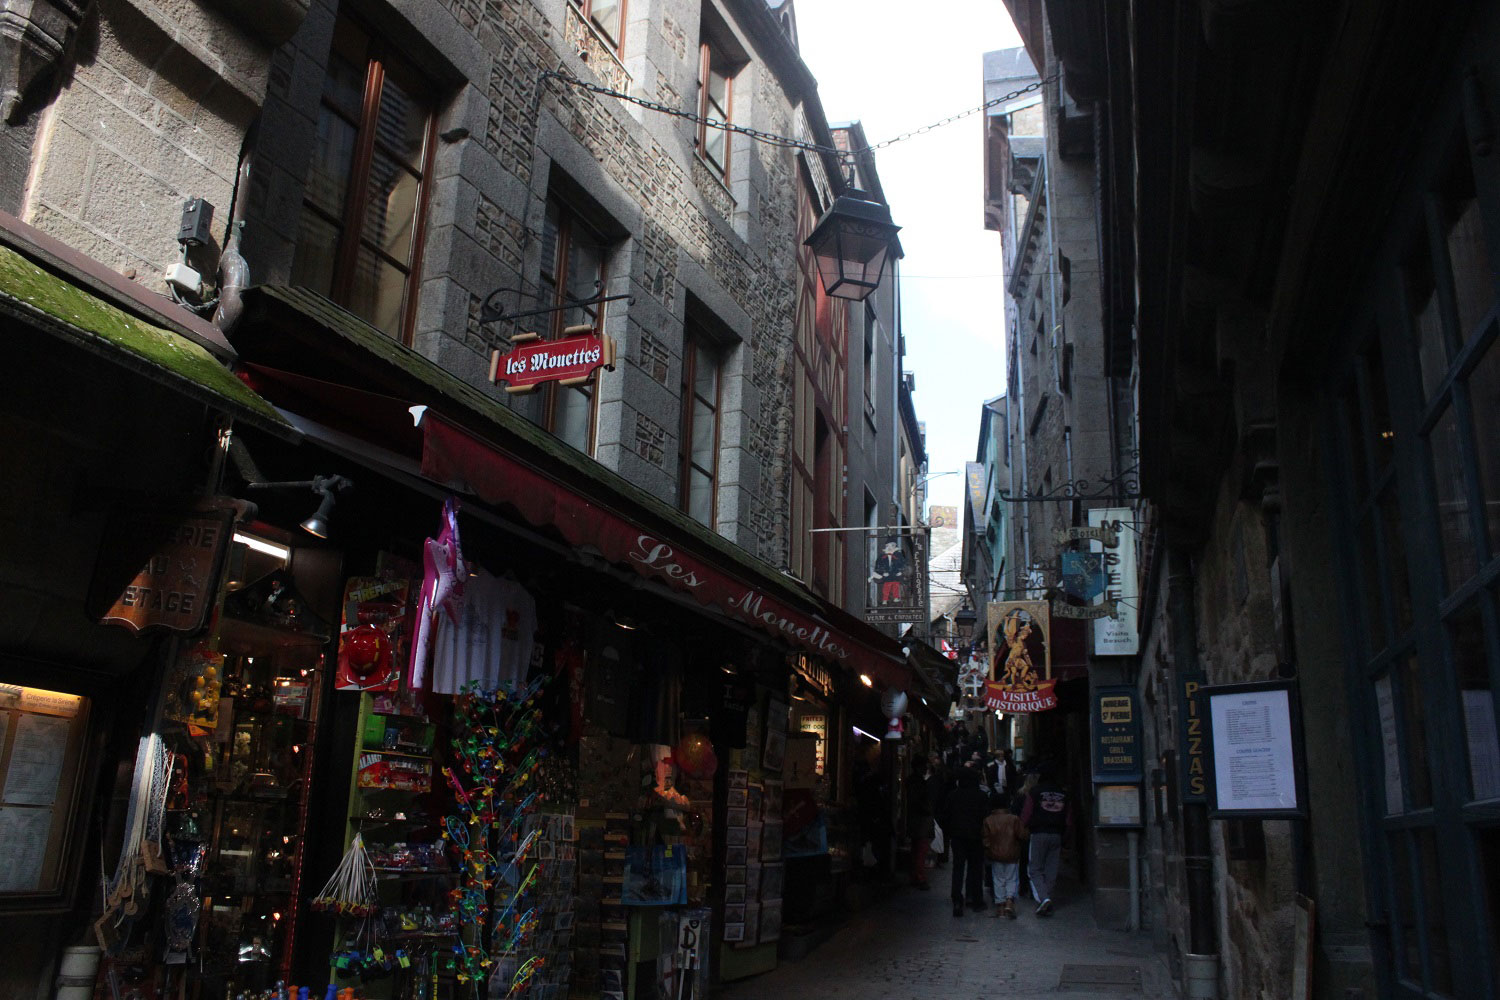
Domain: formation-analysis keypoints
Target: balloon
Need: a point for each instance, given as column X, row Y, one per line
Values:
column 893, row 703
column 695, row 756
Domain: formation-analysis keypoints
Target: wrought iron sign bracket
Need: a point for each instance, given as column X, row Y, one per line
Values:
column 490, row 313
column 1124, row 487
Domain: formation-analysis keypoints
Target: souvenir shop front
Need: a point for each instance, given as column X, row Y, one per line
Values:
column 490, row 719
column 110, row 541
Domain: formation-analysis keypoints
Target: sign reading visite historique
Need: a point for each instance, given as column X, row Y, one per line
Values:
column 569, row 360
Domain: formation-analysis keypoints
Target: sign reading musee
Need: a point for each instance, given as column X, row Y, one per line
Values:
column 569, row 360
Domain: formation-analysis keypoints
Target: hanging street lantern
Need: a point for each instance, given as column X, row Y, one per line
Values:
column 851, row 242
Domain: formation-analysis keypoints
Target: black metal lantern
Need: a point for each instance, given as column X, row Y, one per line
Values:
column 852, row 241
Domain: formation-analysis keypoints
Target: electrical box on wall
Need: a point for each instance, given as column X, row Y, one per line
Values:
column 197, row 220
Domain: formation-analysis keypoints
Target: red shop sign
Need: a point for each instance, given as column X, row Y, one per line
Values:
column 568, row 360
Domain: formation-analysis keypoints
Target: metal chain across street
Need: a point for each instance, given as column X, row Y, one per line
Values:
column 784, row 141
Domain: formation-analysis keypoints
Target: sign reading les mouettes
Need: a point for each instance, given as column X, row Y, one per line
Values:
column 1117, row 735
column 161, row 569
column 1255, row 732
column 1020, row 657
column 569, row 360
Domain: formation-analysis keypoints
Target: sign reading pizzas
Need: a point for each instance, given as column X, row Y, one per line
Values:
column 569, row 360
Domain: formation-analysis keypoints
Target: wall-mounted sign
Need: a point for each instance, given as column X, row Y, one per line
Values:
column 1117, row 634
column 1192, row 738
column 160, row 569
column 1021, row 657
column 898, row 577
column 1255, row 734
column 1118, row 753
column 1107, row 535
column 570, row 360
column 814, row 672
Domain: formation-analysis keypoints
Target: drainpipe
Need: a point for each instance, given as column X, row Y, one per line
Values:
column 1201, row 963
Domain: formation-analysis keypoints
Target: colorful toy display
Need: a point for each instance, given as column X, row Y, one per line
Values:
column 497, row 748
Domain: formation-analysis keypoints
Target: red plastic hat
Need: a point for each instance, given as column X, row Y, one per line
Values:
column 367, row 651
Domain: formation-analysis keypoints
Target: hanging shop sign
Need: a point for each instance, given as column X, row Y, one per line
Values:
column 1117, row 735
column 161, row 569
column 570, row 360
column 815, row 672
column 1192, row 737
column 974, row 474
column 898, row 577
column 1116, row 634
column 1107, row 535
column 1254, row 731
column 1021, row 658
column 1109, row 609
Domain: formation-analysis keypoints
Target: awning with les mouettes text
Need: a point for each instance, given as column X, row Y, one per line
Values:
column 462, row 462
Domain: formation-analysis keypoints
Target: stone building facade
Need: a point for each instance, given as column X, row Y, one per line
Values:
column 429, row 167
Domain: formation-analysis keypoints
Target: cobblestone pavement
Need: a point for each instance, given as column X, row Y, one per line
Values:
column 911, row 947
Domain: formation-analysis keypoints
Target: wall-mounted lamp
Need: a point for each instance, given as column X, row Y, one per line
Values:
column 325, row 486
column 866, row 680
column 851, row 242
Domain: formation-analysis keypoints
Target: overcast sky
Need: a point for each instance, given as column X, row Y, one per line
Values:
column 895, row 67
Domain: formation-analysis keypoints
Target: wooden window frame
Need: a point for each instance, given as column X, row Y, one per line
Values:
column 693, row 338
column 379, row 53
column 586, row 12
column 708, row 57
column 568, row 221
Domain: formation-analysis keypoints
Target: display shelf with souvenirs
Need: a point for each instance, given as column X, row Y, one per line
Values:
column 223, row 816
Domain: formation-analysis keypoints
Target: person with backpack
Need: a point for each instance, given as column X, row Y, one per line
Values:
column 1003, row 836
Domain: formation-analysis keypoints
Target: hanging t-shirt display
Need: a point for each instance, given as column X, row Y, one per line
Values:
column 492, row 640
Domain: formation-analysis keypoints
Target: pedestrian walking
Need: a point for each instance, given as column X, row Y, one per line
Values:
column 1001, row 775
column 1003, row 836
column 962, row 817
column 1047, row 816
column 919, row 823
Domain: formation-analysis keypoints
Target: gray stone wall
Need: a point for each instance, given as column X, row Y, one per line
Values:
column 152, row 110
column 677, row 231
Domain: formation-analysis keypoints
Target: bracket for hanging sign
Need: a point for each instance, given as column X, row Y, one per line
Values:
column 570, row 360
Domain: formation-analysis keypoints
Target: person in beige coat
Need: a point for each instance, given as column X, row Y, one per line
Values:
column 1003, row 836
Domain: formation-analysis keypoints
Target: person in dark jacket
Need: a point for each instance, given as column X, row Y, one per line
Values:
column 1048, row 815
column 963, row 817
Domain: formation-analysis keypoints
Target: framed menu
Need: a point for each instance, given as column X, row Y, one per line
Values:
column 41, row 747
column 1255, row 736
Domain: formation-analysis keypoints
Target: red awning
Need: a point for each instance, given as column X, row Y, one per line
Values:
column 458, row 460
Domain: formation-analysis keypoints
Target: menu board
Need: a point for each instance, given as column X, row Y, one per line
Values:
column 36, row 760
column 1254, row 766
column 25, row 833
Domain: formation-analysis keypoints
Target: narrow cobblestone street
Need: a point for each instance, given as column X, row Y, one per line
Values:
column 910, row 947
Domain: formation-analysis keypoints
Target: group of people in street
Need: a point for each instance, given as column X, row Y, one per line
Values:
column 991, row 821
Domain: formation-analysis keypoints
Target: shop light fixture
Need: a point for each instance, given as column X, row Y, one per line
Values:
column 866, row 735
column 261, row 545
column 866, row 681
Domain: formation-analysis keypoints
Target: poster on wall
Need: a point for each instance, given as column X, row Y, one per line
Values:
column 1255, row 736
column 1020, row 677
column 1118, row 634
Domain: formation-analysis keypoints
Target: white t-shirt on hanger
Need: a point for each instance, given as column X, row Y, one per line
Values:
column 492, row 642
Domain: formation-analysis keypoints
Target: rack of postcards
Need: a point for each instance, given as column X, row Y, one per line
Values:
column 754, row 873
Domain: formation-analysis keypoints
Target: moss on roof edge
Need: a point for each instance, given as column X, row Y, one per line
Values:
column 30, row 290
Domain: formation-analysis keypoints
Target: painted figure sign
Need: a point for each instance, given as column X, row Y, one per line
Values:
column 897, row 578
column 1020, row 657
